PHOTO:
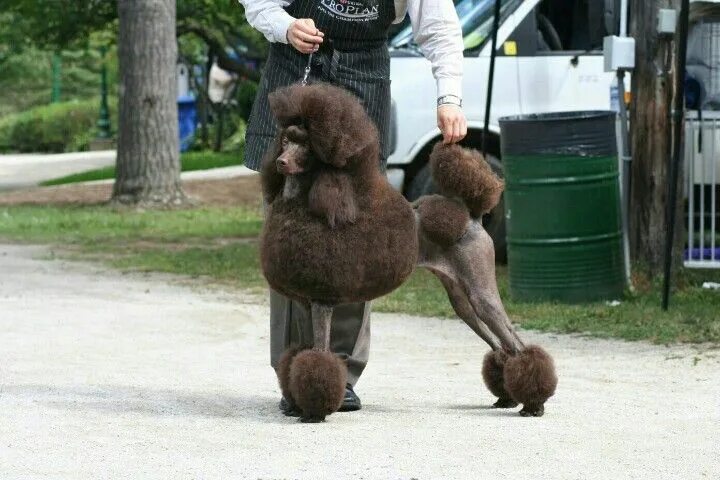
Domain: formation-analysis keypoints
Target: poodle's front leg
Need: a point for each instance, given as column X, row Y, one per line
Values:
column 317, row 376
column 321, row 322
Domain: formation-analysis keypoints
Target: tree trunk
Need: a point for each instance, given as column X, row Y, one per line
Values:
column 652, row 87
column 148, row 154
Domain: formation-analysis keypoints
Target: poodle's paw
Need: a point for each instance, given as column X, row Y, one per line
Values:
column 293, row 411
column 505, row 402
column 317, row 383
column 283, row 374
column 314, row 419
column 533, row 410
column 492, row 372
column 530, row 379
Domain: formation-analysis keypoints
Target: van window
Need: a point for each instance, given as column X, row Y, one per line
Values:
column 476, row 20
column 558, row 26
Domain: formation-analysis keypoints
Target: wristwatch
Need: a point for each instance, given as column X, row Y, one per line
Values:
column 449, row 100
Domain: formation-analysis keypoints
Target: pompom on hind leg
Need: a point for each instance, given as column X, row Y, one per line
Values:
column 492, row 372
column 530, row 379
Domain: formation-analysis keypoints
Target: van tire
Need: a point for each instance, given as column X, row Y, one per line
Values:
column 493, row 222
column 421, row 184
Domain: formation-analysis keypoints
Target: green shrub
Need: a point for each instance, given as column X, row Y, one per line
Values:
column 54, row 128
column 246, row 97
column 5, row 134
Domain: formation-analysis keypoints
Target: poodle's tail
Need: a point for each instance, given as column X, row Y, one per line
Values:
column 464, row 173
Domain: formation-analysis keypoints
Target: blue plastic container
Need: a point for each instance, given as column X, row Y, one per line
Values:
column 187, row 118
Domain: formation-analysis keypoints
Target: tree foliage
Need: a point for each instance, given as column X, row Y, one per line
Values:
column 71, row 24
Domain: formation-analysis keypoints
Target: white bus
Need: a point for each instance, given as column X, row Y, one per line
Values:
column 549, row 60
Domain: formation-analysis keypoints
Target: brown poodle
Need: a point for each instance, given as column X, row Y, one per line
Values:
column 336, row 232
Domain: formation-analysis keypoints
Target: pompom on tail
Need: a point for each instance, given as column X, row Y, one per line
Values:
column 464, row 173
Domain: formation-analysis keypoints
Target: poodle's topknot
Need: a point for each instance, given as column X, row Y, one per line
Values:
column 341, row 132
column 464, row 173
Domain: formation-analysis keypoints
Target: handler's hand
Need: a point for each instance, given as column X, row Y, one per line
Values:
column 304, row 36
column 452, row 123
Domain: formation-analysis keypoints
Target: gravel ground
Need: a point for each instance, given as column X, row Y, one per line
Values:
column 104, row 375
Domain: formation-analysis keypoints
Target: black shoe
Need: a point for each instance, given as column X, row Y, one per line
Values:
column 351, row 402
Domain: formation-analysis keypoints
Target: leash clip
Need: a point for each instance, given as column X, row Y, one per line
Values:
column 307, row 71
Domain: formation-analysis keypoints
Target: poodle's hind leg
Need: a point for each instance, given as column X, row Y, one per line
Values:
column 494, row 361
column 317, row 376
column 515, row 373
column 464, row 310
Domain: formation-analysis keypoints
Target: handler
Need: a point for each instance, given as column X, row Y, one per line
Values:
column 349, row 42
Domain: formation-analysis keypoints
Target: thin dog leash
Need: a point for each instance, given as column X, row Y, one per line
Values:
column 307, row 70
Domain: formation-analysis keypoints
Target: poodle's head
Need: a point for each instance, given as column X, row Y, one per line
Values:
column 333, row 124
column 295, row 155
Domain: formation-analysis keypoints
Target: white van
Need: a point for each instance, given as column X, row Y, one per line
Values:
column 549, row 60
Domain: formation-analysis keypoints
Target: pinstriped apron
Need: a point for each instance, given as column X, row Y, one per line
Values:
column 353, row 56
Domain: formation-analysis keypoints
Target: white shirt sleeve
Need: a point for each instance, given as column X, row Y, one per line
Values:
column 269, row 18
column 436, row 30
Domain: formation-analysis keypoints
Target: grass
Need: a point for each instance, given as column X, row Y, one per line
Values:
column 190, row 161
column 98, row 226
column 221, row 244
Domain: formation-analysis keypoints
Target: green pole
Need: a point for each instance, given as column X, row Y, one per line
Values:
column 103, row 122
column 56, row 78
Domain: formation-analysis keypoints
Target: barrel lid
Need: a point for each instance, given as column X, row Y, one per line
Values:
column 572, row 116
column 579, row 133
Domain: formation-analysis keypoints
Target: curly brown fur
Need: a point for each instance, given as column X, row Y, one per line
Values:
column 283, row 372
column 332, row 197
column 341, row 132
column 464, row 173
column 272, row 182
column 346, row 235
column 492, row 372
column 317, row 383
column 443, row 220
column 530, row 379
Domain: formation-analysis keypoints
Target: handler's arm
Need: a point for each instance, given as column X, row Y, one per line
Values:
column 269, row 18
column 436, row 30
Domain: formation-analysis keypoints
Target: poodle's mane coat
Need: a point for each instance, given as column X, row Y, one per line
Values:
column 347, row 236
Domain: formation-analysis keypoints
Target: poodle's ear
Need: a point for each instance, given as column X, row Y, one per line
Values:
column 285, row 106
column 273, row 182
column 332, row 197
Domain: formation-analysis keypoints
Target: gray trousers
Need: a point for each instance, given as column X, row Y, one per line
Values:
column 349, row 334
